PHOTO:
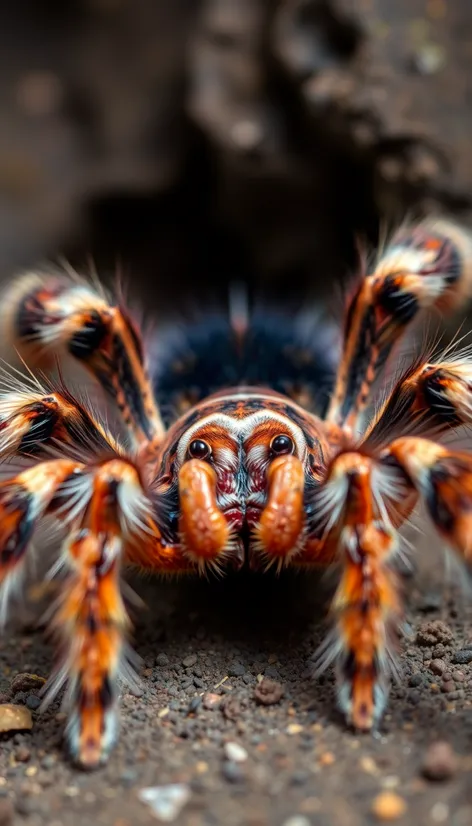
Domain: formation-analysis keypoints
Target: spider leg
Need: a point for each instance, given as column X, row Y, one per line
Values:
column 443, row 478
column 429, row 398
column 367, row 603
column 46, row 317
column 24, row 501
column 42, row 420
column 425, row 266
column 108, row 521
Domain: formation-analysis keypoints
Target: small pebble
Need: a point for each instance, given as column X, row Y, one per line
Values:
column 194, row 705
column 33, row 702
column 211, row 701
column 388, row 806
column 22, row 754
column 431, row 633
column 189, row 661
column 162, row 660
column 268, row 692
column 463, row 656
column 26, row 682
column 236, row 669
column 438, row 666
column 235, row 753
column 231, row 707
column 15, row 718
column 232, row 771
column 440, row 762
column 294, row 728
column 166, row 802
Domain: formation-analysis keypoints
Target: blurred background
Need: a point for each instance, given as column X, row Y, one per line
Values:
column 197, row 141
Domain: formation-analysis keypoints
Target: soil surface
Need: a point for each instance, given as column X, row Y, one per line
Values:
column 208, row 650
column 122, row 137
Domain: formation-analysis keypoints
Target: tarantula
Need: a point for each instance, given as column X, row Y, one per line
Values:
column 246, row 472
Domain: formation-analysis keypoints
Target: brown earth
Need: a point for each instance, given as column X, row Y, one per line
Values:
column 165, row 140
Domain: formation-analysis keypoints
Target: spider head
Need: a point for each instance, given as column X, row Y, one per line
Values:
column 240, row 436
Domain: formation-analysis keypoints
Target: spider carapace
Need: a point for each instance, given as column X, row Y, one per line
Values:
column 238, row 447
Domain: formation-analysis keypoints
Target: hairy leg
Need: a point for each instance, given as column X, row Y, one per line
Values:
column 431, row 398
column 353, row 506
column 38, row 420
column 108, row 521
column 443, row 478
column 425, row 266
column 48, row 316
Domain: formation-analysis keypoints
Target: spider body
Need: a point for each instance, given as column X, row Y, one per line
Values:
column 249, row 444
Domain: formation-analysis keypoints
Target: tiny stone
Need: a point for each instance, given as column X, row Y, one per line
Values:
column 438, row 666
column 294, row 728
column 268, row 692
column 211, row 701
column 22, row 754
column 15, row 718
column 33, row 702
column 194, row 705
column 431, row 633
column 190, row 660
column 235, row 753
column 231, row 707
column 26, row 682
column 236, row 669
column 440, row 762
column 463, row 656
column 162, row 660
column 232, row 771
column 458, row 676
column 388, row 806
column 416, row 680
column 448, row 686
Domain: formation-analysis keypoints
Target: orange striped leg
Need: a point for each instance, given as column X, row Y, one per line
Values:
column 49, row 316
column 24, row 501
column 425, row 266
column 428, row 399
column 443, row 478
column 279, row 532
column 91, row 620
column 34, row 421
column 366, row 605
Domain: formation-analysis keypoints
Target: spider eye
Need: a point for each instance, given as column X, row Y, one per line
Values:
column 281, row 444
column 198, row 449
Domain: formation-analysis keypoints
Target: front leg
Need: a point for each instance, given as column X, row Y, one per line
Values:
column 367, row 604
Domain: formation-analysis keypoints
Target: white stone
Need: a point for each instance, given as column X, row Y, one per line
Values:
column 235, row 752
column 165, row 802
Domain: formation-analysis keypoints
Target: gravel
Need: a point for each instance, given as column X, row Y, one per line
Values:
column 265, row 752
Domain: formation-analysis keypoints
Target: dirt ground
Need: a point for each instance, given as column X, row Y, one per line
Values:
column 137, row 159
column 205, row 647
